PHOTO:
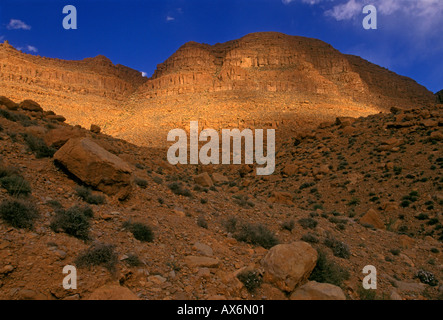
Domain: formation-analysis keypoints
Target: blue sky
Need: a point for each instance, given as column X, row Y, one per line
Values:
column 143, row 33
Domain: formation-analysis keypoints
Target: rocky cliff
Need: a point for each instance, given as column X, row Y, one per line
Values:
column 261, row 80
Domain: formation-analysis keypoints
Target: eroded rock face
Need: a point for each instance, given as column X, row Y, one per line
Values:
column 262, row 80
column 288, row 265
column 95, row 166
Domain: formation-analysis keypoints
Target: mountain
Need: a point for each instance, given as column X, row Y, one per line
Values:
column 261, row 80
column 439, row 96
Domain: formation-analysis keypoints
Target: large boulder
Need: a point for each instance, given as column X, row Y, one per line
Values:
column 318, row 291
column 288, row 265
column 56, row 138
column 30, row 105
column 204, row 180
column 373, row 218
column 8, row 103
column 95, row 166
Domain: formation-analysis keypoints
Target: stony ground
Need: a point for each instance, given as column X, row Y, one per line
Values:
column 364, row 191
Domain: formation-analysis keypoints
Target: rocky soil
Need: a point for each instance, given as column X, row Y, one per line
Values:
column 350, row 193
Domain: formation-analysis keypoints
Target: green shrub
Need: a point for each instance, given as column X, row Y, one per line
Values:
column 18, row 213
column 256, row 234
column 133, row 261
column 366, row 294
column 74, row 221
column 178, row 189
column 327, row 271
column 16, row 185
column 38, row 146
column 288, row 225
column 309, row 237
column 86, row 195
column 142, row 183
column 98, row 254
column 427, row 277
column 339, row 248
column 308, row 223
column 140, row 231
column 251, row 279
column 230, row 224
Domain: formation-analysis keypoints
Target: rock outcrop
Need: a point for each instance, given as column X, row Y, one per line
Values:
column 95, row 166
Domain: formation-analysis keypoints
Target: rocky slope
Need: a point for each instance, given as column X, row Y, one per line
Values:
column 350, row 193
column 261, row 80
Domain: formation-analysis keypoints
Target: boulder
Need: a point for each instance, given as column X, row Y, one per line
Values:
column 8, row 103
column 204, row 180
column 56, row 117
column 288, row 265
column 56, row 138
column 290, row 170
column 112, row 292
column 281, row 197
column 373, row 218
column 95, row 166
column 318, row 291
column 196, row 261
column 219, row 178
column 95, row 128
column 30, row 105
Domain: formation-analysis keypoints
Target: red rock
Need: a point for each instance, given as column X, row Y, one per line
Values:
column 95, row 166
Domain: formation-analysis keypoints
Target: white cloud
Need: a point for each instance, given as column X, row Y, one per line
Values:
column 304, row 1
column 349, row 9
column 169, row 18
column 345, row 11
column 144, row 74
column 1, row 38
column 31, row 48
column 15, row 24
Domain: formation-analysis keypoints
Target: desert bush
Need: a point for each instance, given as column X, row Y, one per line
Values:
column 256, row 234
column 339, row 248
column 230, row 224
column 288, row 225
column 98, row 254
column 86, row 195
column 327, row 271
column 251, row 279
column 18, row 213
column 308, row 223
column 178, row 189
column 309, row 237
column 140, row 231
column 133, row 260
column 38, row 146
column 427, row 277
column 74, row 221
column 142, row 183
column 16, row 185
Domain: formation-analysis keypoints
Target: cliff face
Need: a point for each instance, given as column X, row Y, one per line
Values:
column 274, row 62
column 80, row 90
column 261, row 80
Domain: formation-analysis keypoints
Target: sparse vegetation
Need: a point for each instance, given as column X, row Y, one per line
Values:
column 251, row 279
column 256, row 234
column 38, row 146
column 16, row 185
column 98, row 254
column 87, row 195
column 74, row 221
column 178, row 189
column 308, row 223
column 18, row 213
column 328, row 271
column 140, row 231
